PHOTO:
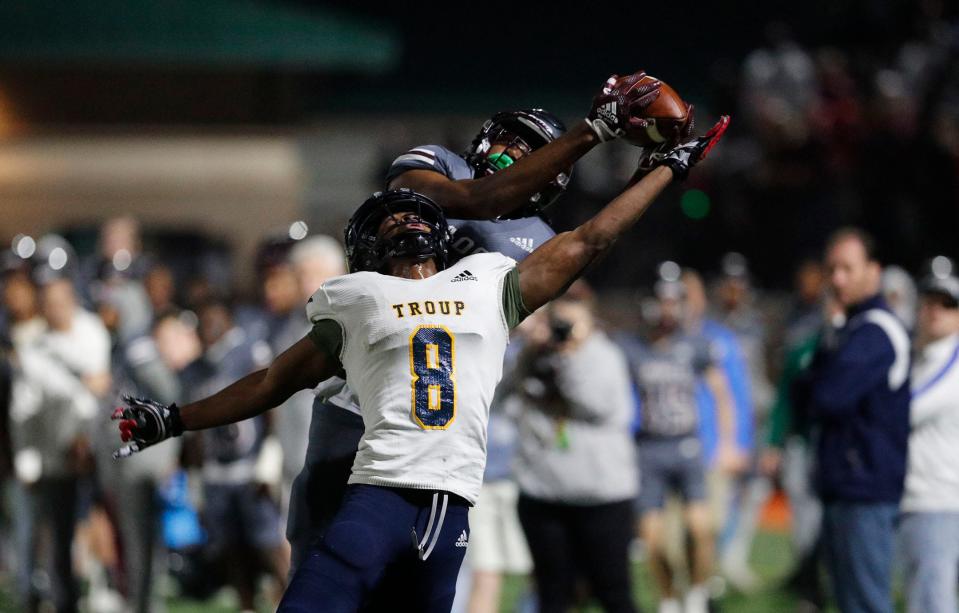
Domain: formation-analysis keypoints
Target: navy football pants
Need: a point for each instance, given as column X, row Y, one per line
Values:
column 371, row 542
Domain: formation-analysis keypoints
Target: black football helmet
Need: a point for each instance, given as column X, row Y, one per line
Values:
column 366, row 251
column 527, row 130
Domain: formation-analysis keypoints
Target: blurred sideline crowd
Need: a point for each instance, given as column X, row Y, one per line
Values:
column 820, row 136
column 660, row 437
column 682, row 422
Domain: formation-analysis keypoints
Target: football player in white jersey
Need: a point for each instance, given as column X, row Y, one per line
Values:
column 495, row 196
column 423, row 346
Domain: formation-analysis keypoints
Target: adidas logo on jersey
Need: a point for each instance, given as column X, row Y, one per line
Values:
column 463, row 540
column 526, row 244
column 463, row 276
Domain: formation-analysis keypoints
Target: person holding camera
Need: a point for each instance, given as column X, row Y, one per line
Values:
column 575, row 464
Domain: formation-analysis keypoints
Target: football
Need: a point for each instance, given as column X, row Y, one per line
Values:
column 672, row 119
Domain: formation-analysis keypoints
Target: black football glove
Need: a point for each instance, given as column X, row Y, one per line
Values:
column 621, row 105
column 145, row 422
column 683, row 157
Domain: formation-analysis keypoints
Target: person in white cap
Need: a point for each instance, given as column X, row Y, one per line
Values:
column 929, row 528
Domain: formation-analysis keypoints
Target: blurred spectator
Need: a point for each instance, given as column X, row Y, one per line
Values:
column 731, row 360
column 899, row 290
column 736, row 308
column 789, row 451
column 857, row 393
column 279, row 292
column 22, row 325
column 76, row 337
column 22, row 306
column 929, row 528
column 576, row 465
column 118, row 249
column 176, row 339
column 160, row 287
column 241, row 519
column 122, row 304
column 667, row 368
column 789, row 454
column 59, row 380
column 287, row 287
column 805, row 314
column 131, row 486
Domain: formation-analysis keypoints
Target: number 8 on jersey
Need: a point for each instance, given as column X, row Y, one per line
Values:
column 433, row 368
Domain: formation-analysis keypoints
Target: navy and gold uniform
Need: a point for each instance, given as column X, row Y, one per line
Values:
column 337, row 424
column 424, row 357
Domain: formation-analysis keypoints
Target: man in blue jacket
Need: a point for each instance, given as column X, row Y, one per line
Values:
column 857, row 394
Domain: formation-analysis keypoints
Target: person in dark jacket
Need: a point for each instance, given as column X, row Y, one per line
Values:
column 856, row 393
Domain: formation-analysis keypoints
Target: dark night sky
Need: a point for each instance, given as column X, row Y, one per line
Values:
column 565, row 49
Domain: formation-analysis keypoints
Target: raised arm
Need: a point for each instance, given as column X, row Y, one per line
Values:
column 506, row 190
column 145, row 422
column 549, row 270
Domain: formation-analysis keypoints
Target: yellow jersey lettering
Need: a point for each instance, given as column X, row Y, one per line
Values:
column 428, row 307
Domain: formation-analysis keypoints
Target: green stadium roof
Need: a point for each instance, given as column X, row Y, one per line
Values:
column 192, row 33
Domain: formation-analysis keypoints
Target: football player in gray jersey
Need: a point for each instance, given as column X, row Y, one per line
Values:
column 667, row 368
column 460, row 182
column 495, row 194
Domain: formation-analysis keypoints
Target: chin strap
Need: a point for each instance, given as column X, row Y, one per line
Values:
column 418, row 245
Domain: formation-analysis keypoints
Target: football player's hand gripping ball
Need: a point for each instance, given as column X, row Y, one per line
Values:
column 683, row 157
column 618, row 109
column 144, row 422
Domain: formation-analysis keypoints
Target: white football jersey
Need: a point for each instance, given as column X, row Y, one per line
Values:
column 423, row 357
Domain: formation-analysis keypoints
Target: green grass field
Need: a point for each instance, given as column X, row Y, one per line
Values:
column 771, row 560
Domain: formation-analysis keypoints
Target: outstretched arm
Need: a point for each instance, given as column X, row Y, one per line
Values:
column 504, row 191
column 145, row 422
column 300, row 367
column 549, row 270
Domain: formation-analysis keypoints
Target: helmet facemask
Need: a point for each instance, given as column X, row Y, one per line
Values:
column 525, row 131
column 370, row 248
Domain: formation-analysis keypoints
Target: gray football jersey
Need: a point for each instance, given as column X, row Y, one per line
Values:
column 667, row 373
column 515, row 238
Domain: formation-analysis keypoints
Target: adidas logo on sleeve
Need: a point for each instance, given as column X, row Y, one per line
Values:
column 525, row 243
column 463, row 276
